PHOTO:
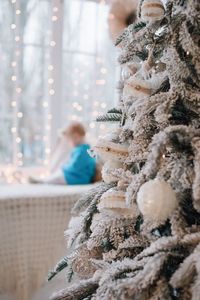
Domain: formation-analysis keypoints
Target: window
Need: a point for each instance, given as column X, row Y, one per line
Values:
column 58, row 65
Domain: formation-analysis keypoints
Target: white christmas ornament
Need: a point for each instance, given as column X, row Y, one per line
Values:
column 109, row 148
column 156, row 200
column 152, row 10
column 138, row 88
column 107, row 169
column 115, row 200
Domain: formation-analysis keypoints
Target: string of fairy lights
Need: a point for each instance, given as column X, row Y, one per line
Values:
column 17, row 89
column 80, row 113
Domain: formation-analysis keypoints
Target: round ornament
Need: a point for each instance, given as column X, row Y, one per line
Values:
column 81, row 262
column 152, row 11
column 130, row 69
column 156, row 200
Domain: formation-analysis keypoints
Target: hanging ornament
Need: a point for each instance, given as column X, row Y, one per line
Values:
column 130, row 68
column 107, row 169
column 156, row 200
column 81, row 262
column 138, row 88
column 115, row 201
column 109, row 147
column 152, row 11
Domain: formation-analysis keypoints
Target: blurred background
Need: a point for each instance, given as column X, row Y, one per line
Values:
column 58, row 64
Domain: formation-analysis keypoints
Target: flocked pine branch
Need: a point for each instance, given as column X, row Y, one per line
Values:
column 109, row 117
column 87, row 198
column 133, row 28
column 77, row 291
column 113, row 115
column 61, row 265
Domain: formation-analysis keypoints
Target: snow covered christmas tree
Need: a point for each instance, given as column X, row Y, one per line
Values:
column 137, row 235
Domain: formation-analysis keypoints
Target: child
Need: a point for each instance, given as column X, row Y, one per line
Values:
column 81, row 168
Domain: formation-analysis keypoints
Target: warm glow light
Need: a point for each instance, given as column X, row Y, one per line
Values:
column 17, row 38
column 47, row 150
column 103, row 105
column 52, row 43
column 55, row 8
column 45, row 104
column 13, row 103
column 13, row 129
column 103, row 70
column 50, row 81
column 13, row 78
column 100, row 81
column 13, row 1
column 51, row 92
column 13, row 63
column 54, row 18
column 13, row 26
column 20, row 114
column 50, row 68
column 18, row 12
column 18, row 140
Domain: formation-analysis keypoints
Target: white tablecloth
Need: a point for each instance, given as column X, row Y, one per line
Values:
column 32, row 221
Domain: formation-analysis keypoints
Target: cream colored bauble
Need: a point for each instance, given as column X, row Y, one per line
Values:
column 107, row 169
column 152, row 11
column 108, row 147
column 138, row 88
column 156, row 200
column 114, row 200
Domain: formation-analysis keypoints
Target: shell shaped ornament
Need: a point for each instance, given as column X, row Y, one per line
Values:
column 115, row 201
column 138, row 88
column 109, row 148
column 107, row 169
column 156, row 200
column 152, row 11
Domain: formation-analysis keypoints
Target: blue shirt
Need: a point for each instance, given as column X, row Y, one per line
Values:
column 81, row 167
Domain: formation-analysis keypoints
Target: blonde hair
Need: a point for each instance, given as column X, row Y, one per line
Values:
column 74, row 127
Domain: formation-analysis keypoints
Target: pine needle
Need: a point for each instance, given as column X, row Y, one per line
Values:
column 62, row 264
column 109, row 117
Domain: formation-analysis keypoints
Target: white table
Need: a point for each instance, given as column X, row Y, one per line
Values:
column 32, row 221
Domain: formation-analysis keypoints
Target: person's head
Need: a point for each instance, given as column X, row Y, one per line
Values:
column 75, row 133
